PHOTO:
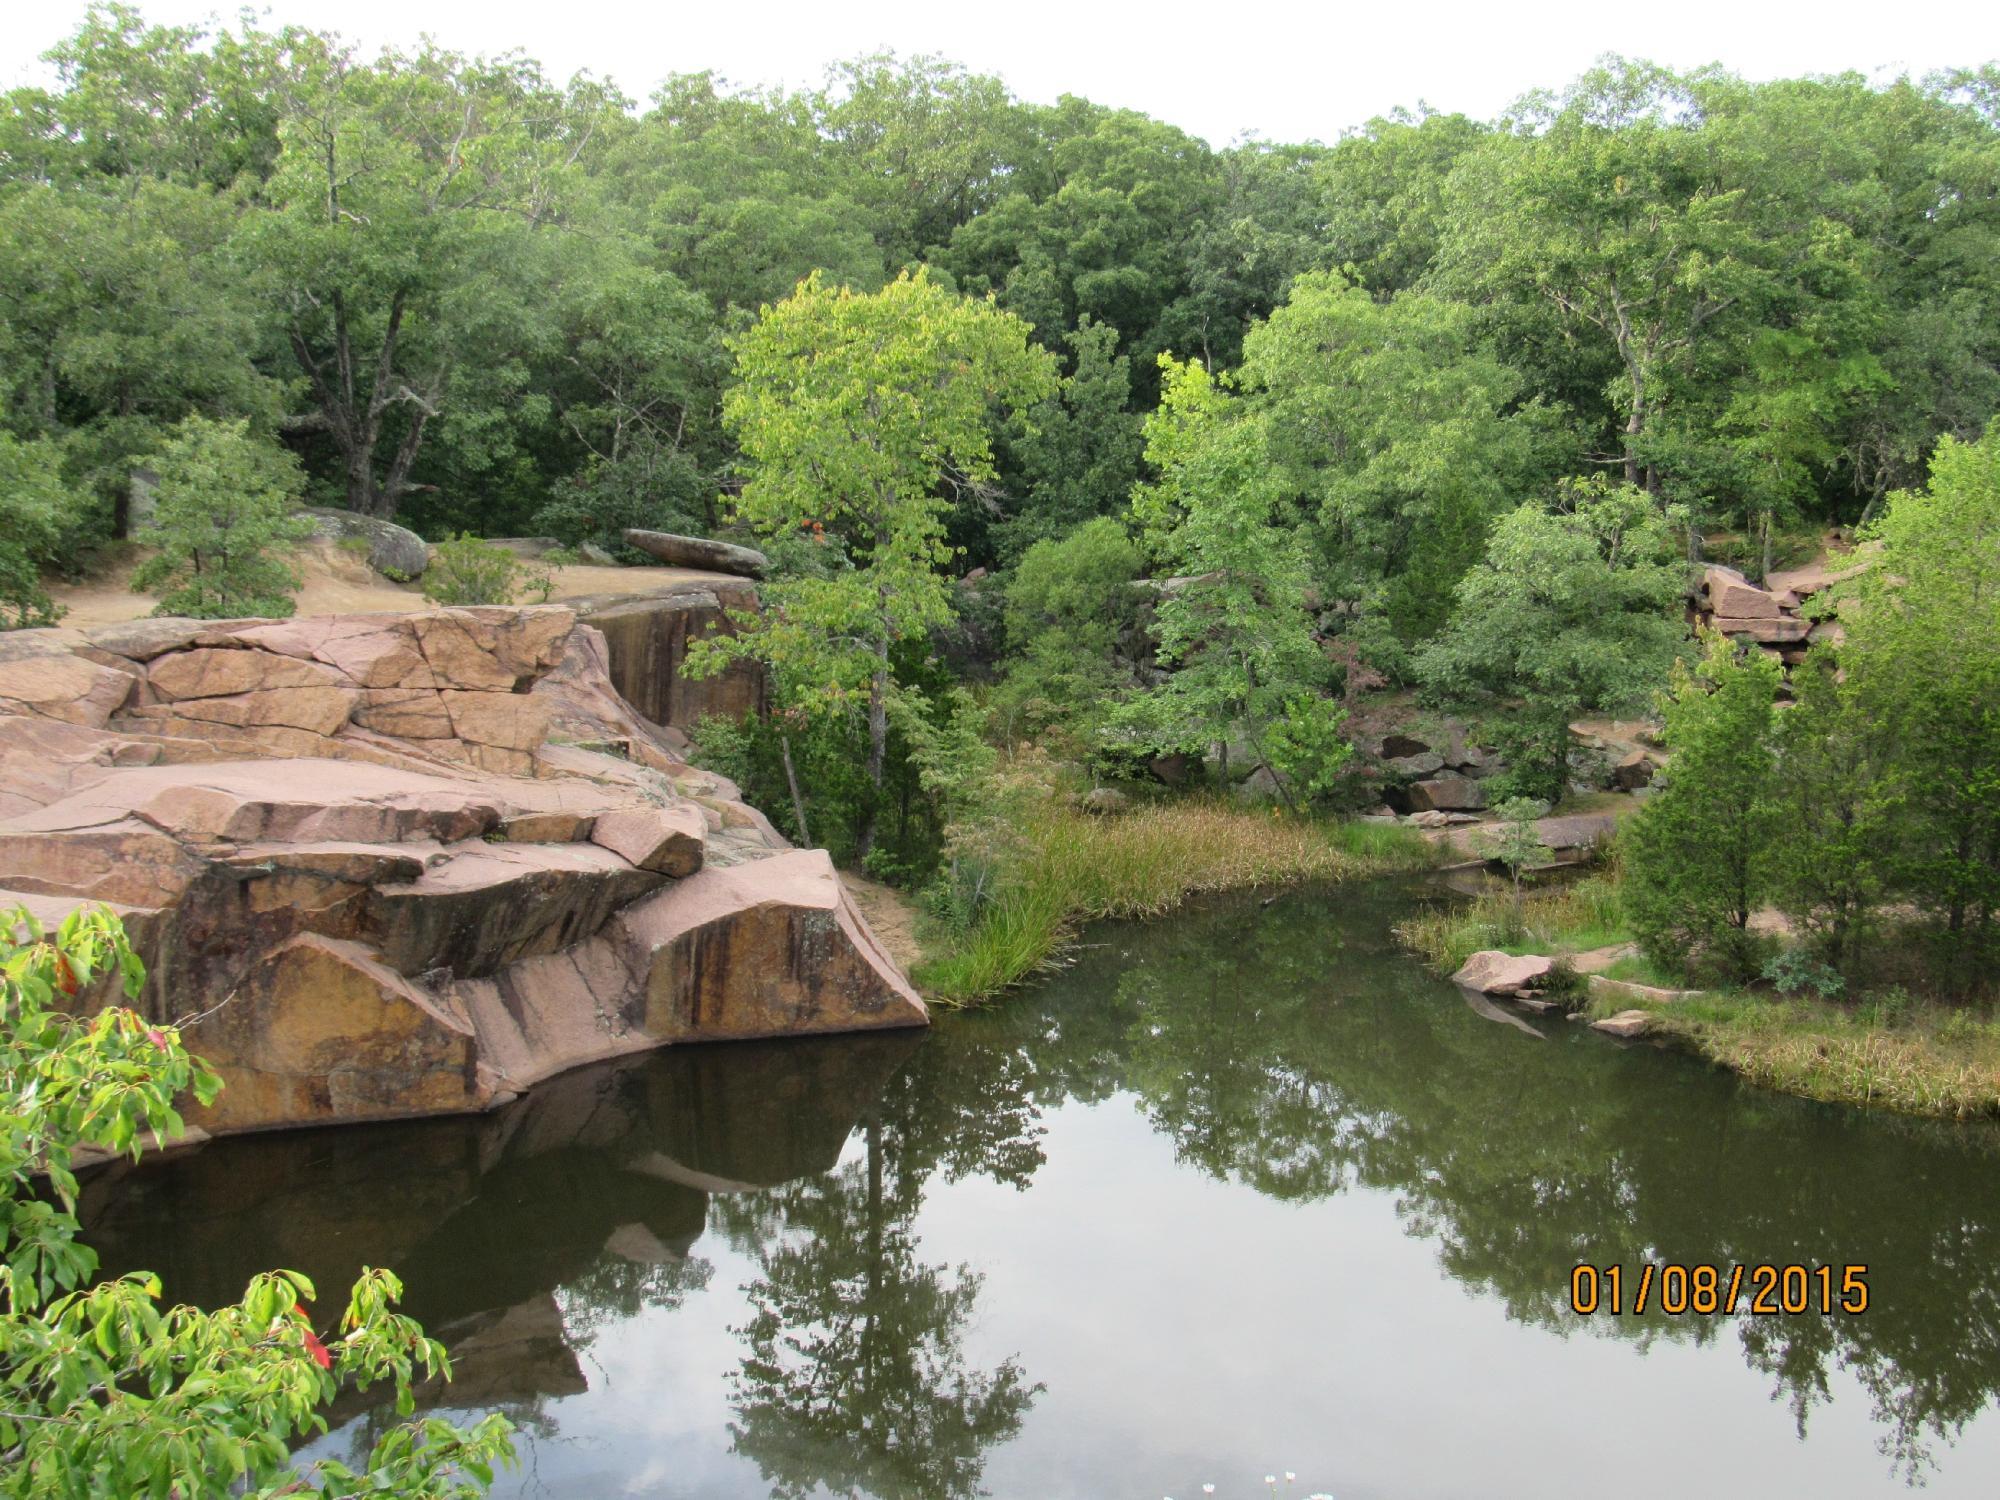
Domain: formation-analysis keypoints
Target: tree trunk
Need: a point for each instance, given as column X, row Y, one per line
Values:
column 878, row 745
column 1278, row 781
column 792, row 781
column 869, row 1351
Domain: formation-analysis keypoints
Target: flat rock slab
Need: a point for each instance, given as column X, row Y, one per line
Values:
column 1492, row 972
column 1597, row 960
column 1765, row 631
column 1625, row 989
column 1577, row 831
column 1625, row 1023
column 698, row 552
column 1816, row 576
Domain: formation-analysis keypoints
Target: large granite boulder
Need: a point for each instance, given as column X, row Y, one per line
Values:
column 1450, row 793
column 393, row 551
column 386, row 865
column 698, row 552
column 1492, row 972
column 1729, row 594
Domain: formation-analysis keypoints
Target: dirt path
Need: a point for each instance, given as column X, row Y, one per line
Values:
column 890, row 914
column 336, row 582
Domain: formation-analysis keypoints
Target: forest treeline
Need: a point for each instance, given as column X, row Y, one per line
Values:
column 476, row 298
column 1237, row 431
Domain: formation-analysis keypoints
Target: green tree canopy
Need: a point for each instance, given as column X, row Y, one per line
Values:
column 864, row 416
column 224, row 516
column 1575, row 608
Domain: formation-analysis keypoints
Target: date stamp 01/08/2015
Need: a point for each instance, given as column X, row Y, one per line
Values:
column 1794, row 1290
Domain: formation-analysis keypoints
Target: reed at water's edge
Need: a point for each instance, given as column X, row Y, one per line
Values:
column 1064, row 867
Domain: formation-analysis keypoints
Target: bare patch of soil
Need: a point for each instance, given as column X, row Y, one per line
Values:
column 890, row 914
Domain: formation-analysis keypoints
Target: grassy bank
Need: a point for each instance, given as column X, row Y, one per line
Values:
column 1893, row 1053
column 1069, row 867
column 1885, row 1050
column 1572, row 917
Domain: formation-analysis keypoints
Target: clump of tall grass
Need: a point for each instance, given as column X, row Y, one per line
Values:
column 1571, row 917
column 1064, row 867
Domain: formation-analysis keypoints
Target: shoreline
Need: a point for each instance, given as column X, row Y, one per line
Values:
column 1886, row 1050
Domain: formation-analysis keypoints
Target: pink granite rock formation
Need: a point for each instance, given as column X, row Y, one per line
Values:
column 388, row 865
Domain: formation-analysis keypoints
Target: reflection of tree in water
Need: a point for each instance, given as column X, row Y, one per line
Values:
column 1295, row 1051
column 617, row 1289
column 1289, row 1048
column 855, row 1377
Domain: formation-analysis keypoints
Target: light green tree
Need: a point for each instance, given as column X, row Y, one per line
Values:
column 864, row 416
column 1699, row 854
column 102, row 1390
column 1398, row 436
column 225, row 515
column 1923, row 655
column 1517, row 843
column 1575, row 608
column 1231, row 625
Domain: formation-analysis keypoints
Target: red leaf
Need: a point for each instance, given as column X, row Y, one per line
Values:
column 318, row 1350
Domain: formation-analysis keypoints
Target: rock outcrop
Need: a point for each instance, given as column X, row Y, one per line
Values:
column 1433, row 775
column 1775, row 616
column 648, row 639
column 698, row 552
column 386, row 865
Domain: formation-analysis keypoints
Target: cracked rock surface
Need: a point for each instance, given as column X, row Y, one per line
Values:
column 406, row 864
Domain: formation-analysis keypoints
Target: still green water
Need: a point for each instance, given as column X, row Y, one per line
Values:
column 1239, row 1193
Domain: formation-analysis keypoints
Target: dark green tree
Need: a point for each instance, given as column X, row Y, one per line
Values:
column 1576, row 608
column 1699, row 854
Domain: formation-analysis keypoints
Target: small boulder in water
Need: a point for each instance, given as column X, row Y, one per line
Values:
column 1495, row 973
column 1625, row 1023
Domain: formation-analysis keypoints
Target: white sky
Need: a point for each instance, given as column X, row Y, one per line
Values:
column 1282, row 69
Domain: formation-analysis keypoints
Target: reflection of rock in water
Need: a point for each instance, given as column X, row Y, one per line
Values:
column 1480, row 1006
column 502, row 1356
column 594, row 1186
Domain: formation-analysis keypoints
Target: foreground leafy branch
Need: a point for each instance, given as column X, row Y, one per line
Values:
column 104, row 1391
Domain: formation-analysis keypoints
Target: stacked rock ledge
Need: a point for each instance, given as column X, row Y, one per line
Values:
column 407, row 864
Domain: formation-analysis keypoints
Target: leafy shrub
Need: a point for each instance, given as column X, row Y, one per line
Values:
column 1796, row 972
column 466, row 570
column 224, row 513
column 1308, row 745
column 107, row 1392
column 1886, row 1009
column 654, row 488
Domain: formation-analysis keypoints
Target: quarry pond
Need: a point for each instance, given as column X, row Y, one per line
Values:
column 1244, row 1192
